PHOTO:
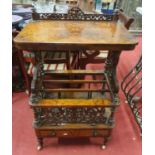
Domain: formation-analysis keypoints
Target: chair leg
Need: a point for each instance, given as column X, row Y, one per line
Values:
column 103, row 146
column 26, row 78
column 68, row 60
column 28, row 86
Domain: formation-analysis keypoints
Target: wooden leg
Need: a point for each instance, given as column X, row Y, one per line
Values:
column 24, row 72
column 27, row 92
column 40, row 143
column 105, row 140
column 68, row 60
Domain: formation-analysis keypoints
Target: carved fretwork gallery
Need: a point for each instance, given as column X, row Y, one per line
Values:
column 74, row 13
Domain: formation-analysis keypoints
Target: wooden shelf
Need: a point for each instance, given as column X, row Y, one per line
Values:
column 74, row 81
column 75, row 72
column 74, row 90
column 73, row 103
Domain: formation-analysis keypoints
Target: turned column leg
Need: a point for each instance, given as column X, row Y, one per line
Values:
column 40, row 143
column 24, row 72
column 105, row 140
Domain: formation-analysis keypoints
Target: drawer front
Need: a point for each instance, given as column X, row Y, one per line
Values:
column 73, row 133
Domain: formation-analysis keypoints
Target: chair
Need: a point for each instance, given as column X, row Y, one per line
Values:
column 17, row 54
column 98, row 57
column 57, row 60
column 132, row 89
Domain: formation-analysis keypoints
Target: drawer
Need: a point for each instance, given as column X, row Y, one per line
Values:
column 73, row 133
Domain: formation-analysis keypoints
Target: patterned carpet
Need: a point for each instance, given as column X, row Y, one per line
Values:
column 125, row 138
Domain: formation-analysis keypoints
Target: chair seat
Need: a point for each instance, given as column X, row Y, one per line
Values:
column 103, row 54
column 29, row 56
column 47, row 67
column 47, row 55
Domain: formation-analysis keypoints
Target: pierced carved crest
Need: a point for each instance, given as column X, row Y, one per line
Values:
column 74, row 13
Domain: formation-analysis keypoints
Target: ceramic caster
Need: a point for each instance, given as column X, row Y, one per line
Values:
column 103, row 147
column 27, row 92
column 40, row 143
column 39, row 148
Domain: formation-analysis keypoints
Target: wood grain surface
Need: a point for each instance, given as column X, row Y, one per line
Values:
column 47, row 35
